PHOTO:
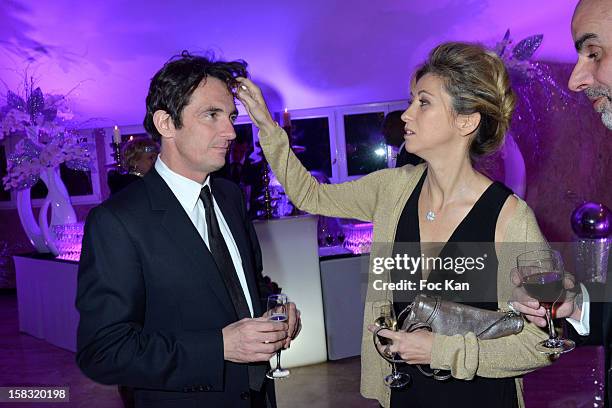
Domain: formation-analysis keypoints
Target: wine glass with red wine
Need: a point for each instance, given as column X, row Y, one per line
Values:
column 542, row 275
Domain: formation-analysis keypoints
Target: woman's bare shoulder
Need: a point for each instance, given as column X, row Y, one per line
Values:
column 505, row 216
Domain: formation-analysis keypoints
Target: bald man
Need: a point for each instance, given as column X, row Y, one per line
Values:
column 592, row 33
column 591, row 323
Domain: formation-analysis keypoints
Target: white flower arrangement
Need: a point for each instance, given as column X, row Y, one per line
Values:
column 37, row 121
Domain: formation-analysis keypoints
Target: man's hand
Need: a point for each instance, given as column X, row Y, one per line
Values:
column 294, row 322
column 252, row 340
column 535, row 313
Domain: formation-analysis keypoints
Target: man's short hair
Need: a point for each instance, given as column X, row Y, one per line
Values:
column 393, row 128
column 172, row 86
column 394, row 115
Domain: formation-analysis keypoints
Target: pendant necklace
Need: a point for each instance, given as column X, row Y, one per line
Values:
column 431, row 215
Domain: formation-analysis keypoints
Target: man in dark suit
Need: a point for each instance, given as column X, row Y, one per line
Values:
column 169, row 290
column 591, row 320
column 393, row 131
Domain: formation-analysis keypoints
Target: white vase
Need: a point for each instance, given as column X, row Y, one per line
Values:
column 28, row 222
column 58, row 201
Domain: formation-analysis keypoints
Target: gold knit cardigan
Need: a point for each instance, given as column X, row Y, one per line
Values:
column 380, row 197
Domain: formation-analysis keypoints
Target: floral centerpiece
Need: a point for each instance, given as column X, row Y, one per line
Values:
column 38, row 121
column 37, row 125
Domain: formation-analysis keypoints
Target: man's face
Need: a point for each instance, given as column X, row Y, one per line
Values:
column 592, row 33
column 208, row 128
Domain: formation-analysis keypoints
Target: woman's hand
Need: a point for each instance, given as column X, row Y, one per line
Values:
column 250, row 95
column 413, row 348
column 571, row 306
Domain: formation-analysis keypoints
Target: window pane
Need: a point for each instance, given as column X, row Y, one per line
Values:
column 4, row 195
column 365, row 145
column 237, row 156
column 244, row 136
column 39, row 190
column 78, row 183
column 313, row 135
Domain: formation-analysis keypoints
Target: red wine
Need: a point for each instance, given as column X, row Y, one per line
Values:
column 547, row 287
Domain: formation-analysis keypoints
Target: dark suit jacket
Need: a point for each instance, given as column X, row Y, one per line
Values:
column 152, row 302
column 600, row 322
column 117, row 181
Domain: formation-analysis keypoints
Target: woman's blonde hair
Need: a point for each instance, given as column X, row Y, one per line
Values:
column 477, row 81
column 135, row 148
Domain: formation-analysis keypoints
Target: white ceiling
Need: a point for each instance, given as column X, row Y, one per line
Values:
column 305, row 53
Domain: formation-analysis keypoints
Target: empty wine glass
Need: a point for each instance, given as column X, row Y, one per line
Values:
column 385, row 319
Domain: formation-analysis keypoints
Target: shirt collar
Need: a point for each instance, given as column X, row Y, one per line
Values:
column 187, row 191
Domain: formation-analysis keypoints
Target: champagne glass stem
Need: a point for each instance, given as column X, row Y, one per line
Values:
column 278, row 357
column 552, row 334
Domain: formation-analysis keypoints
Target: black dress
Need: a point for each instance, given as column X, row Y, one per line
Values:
column 477, row 227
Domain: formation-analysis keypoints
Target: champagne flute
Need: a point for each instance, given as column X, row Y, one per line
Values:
column 277, row 311
column 542, row 274
column 386, row 320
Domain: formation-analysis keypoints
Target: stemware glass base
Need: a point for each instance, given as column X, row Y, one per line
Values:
column 278, row 374
column 555, row 346
column 397, row 380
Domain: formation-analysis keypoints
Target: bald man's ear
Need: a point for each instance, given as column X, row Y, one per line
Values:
column 164, row 124
column 468, row 124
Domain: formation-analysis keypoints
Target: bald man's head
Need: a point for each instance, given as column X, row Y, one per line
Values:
column 592, row 3
column 592, row 34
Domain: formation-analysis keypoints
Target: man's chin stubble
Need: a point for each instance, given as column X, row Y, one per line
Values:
column 606, row 118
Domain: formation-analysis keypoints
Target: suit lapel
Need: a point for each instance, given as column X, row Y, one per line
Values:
column 231, row 214
column 182, row 232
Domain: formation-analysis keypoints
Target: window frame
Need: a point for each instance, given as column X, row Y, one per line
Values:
column 334, row 151
column 337, row 144
column 341, row 111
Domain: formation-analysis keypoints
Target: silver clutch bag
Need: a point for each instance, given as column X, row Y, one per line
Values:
column 450, row 318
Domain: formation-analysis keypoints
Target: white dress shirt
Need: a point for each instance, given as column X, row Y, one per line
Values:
column 582, row 326
column 393, row 153
column 187, row 192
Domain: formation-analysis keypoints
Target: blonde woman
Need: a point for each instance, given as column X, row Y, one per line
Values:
column 460, row 109
column 137, row 157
